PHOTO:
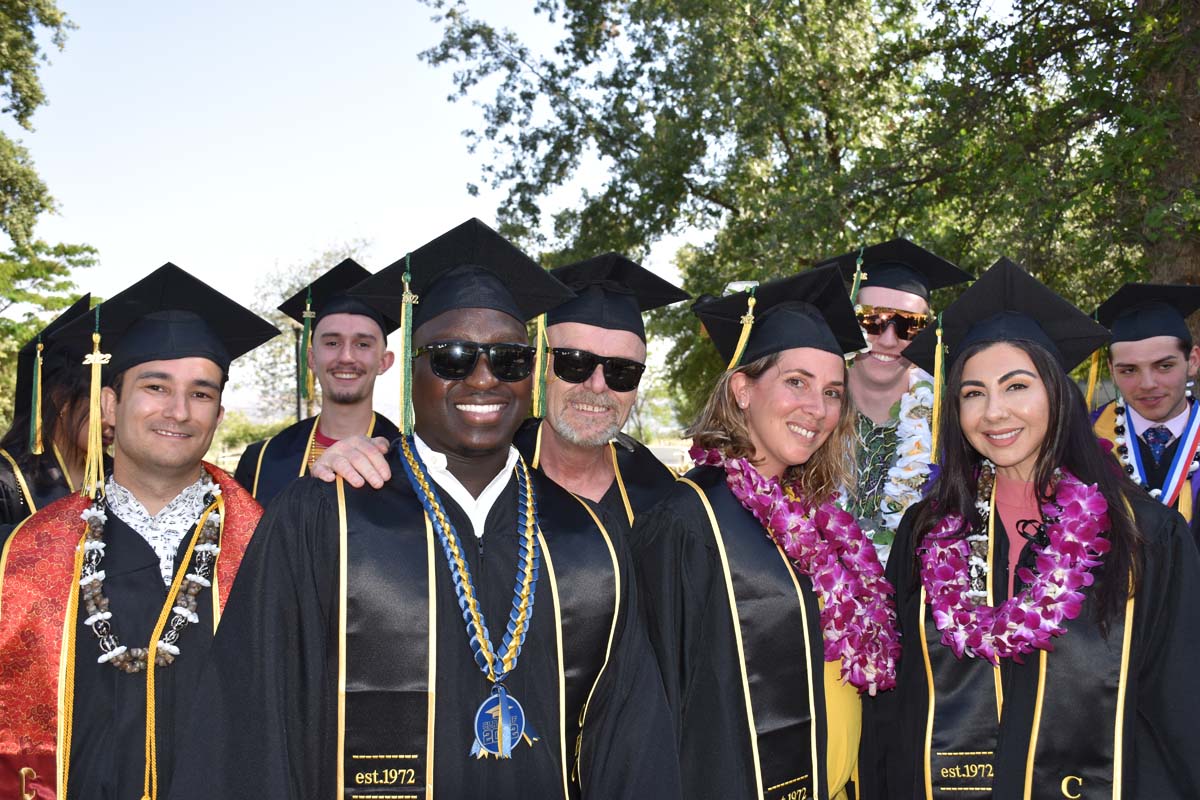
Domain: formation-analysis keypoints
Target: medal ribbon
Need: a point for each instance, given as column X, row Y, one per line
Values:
column 494, row 667
column 1184, row 453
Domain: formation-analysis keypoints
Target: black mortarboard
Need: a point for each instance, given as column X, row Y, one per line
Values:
column 1008, row 304
column 1142, row 310
column 170, row 314
column 31, row 364
column 899, row 264
column 330, row 294
column 811, row 309
column 613, row 291
column 470, row 266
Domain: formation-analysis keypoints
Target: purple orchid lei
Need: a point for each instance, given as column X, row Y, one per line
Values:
column 858, row 618
column 1030, row 620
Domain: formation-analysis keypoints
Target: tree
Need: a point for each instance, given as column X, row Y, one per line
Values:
column 1063, row 135
column 34, row 275
column 235, row 432
column 272, row 367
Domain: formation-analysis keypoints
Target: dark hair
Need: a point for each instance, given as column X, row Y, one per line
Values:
column 65, row 388
column 1071, row 443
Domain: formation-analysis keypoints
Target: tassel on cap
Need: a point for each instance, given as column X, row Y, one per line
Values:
column 36, row 445
column 93, row 469
column 859, row 275
column 938, row 379
column 408, row 300
column 540, row 364
column 1093, row 378
column 747, row 324
column 305, row 378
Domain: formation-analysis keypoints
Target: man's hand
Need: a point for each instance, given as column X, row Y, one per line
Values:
column 357, row 460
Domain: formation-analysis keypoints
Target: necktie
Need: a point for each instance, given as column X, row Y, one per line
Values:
column 1158, row 438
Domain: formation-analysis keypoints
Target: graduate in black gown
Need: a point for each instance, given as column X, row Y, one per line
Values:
column 344, row 667
column 597, row 354
column 1154, row 423
column 140, row 562
column 47, row 441
column 1097, row 701
column 344, row 349
column 761, row 708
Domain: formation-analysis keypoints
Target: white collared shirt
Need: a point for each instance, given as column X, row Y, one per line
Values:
column 1175, row 424
column 166, row 529
column 477, row 508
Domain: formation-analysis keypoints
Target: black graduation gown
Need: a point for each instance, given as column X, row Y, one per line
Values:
column 271, row 688
column 14, row 505
column 1161, row 746
column 109, row 710
column 645, row 478
column 686, row 599
column 267, row 466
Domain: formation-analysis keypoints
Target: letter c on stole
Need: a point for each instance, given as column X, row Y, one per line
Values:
column 1066, row 787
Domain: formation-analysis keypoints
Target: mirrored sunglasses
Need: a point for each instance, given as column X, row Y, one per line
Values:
column 875, row 321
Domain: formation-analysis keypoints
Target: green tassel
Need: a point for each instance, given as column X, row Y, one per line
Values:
column 859, row 275
column 302, row 377
column 407, row 302
column 35, row 419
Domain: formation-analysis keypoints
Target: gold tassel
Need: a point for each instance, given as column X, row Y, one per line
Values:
column 938, row 377
column 539, row 367
column 36, row 445
column 747, row 324
column 1093, row 377
column 93, row 468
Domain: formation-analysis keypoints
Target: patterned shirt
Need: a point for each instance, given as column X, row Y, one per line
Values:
column 166, row 529
column 876, row 455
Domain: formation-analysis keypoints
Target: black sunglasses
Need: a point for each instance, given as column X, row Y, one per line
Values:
column 576, row 366
column 454, row 361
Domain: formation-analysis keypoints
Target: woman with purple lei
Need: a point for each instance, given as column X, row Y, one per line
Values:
column 1047, row 607
column 767, row 606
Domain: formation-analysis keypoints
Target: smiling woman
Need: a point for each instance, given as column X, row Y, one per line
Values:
column 752, row 577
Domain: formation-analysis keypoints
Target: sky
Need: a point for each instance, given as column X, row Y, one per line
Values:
column 234, row 137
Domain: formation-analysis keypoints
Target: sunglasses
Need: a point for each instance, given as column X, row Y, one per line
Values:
column 454, row 361
column 875, row 321
column 576, row 366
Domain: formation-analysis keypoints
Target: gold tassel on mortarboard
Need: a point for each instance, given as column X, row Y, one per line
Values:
column 539, row 367
column 938, row 378
column 1093, row 377
column 93, row 469
column 744, row 338
column 407, row 301
column 36, row 446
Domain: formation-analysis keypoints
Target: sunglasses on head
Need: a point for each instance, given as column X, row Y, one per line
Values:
column 576, row 366
column 875, row 321
column 454, row 361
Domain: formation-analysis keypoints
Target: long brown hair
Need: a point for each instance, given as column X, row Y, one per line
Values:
column 1070, row 443
column 722, row 425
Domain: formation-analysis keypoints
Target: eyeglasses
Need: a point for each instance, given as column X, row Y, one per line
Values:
column 875, row 321
column 454, row 361
column 576, row 366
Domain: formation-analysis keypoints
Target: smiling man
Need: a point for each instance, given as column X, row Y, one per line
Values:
column 102, row 590
column 345, row 350
column 597, row 357
column 893, row 398
column 1154, row 424
column 344, row 665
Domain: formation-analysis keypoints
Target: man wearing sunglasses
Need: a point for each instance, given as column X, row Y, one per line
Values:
column 597, row 356
column 894, row 398
column 378, row 644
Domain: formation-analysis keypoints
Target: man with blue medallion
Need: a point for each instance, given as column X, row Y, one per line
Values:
column 1154, row 424
column 470, row 629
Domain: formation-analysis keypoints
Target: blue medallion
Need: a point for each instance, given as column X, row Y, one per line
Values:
column 499, row 724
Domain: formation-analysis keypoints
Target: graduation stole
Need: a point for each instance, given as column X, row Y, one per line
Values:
column 777, row 630
column 1178, row 489
column 39, row 601
column 390, row 568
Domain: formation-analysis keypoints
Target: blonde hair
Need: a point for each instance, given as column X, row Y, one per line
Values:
column 722, row 425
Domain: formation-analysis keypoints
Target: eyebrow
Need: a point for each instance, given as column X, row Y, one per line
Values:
column 162, row 376
column 336, row 335
column 1003, row 378
column 1155, row 362
column 206, row 384
column 808, row 374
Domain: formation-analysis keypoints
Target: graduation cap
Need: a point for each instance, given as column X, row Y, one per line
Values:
column 613, row 291
column 897, row 264
column 469, row 266
column 30, row 362
column 1143, row 310
column 167, row 315
column 811, row 309
column 329, row 294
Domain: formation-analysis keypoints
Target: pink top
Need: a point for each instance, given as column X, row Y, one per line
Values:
column 1015, row 501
